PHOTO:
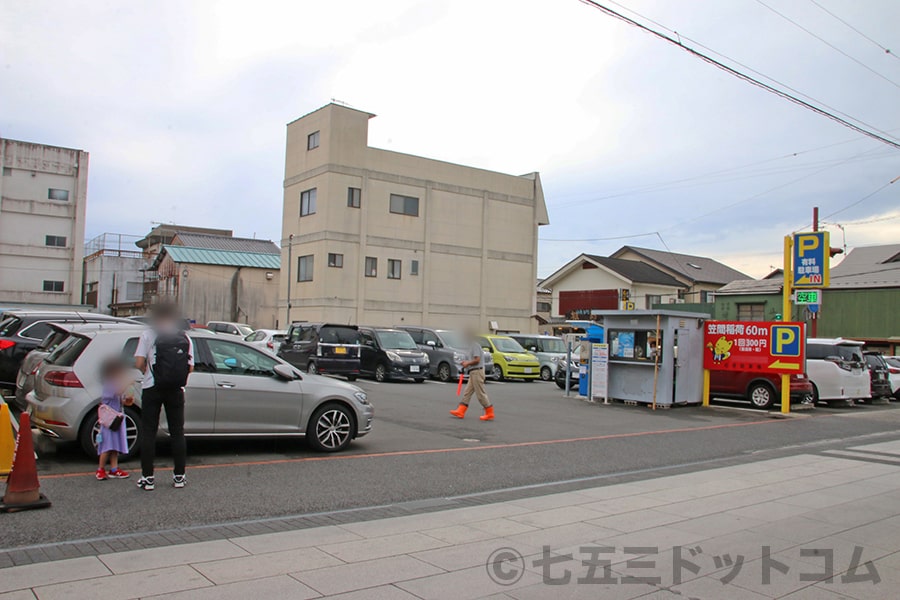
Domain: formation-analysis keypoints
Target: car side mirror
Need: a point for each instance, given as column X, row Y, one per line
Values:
column 533, row 349
column 431, row 343
column 285, row 372
column 231, row 363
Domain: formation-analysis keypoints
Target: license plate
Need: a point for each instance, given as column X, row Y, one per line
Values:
column 414, row 369
column 340, row 350
column 528, row 370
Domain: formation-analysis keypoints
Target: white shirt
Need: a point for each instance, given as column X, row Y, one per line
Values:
column 146, row 349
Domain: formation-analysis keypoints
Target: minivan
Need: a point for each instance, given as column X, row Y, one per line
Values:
column 390, row 354
column 837, row 370
column 548, row 349
column 446, row 349
column 325, row 348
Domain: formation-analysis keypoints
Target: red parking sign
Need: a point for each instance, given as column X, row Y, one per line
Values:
column 764, row 346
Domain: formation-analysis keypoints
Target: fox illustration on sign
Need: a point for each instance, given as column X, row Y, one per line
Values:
column 721, row 350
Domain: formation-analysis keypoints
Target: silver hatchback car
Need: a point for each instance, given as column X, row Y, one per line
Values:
column 235, row 391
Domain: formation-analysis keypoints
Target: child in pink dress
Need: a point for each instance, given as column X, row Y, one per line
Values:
column 116, row 395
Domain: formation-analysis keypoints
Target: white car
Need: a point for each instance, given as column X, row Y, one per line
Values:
column 267, row 339
column 837, row 370
column 239, row 330
column 894, row 364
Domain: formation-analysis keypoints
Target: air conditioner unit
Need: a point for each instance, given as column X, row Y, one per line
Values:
column 679, row 300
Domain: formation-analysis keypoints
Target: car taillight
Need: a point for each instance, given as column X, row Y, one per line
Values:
column 270, row 344
column 895, row 371
column 36, row 367
column 6, row 344
column 63, row 379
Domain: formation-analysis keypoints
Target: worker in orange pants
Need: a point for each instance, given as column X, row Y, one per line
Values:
column 474, row 366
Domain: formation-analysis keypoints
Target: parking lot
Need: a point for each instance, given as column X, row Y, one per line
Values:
column 418, row 451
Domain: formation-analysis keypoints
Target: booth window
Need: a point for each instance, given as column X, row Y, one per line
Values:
column 634, row 345
column 755, row 311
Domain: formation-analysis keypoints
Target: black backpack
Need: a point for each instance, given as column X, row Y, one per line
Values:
column 172, row 366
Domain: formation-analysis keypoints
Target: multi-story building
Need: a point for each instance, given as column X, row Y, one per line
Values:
column 379, row 237
column 114, row 274
column 43, row 196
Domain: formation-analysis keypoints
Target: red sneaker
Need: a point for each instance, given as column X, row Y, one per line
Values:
column 119, row 474
column 102, row 475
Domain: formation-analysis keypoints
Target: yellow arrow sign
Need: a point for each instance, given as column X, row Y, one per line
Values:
column 780, row 365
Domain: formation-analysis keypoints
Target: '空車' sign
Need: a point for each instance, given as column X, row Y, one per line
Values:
column 754, row 346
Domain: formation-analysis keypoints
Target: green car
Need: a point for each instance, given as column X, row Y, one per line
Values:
column 511, row 360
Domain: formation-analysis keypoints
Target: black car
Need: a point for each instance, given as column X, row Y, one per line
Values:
column 21, row 331
column 391, row 354
column 325, row 348
column 880, row 373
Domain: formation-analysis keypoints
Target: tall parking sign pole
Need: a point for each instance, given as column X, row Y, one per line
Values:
column 786, row 314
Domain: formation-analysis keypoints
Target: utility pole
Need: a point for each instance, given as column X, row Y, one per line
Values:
column 814, row 324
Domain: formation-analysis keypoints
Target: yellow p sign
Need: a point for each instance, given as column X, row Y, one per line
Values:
column 807, row 243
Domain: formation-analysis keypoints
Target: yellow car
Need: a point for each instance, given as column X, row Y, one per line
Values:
column 511, row 360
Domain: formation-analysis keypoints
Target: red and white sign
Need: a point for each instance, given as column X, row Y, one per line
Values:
column 754, row 346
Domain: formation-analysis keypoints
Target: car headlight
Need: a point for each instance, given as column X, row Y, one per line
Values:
column 555, row 359
column 393, row 356
column 458, row 357
column 508, row 358
column 361, row 396
column 425, row 360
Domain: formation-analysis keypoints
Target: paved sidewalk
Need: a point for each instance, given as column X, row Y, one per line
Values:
column 823, row 526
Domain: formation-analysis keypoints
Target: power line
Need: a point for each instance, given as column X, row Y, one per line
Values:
column 829, row 44
column 821, row 104
column 743, row 76
column 886, row 50
column 861, row 200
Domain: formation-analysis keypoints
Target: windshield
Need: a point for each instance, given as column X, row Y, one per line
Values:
column 894, row 362
column 395, row 340
column 849, row 353
column 507, row 345
column 52, row 340
column 338, row 335
column 245, row 330
column 554, row 345
column 874, row 360
column 453, row 339
column 68, row 351
column 10, row 326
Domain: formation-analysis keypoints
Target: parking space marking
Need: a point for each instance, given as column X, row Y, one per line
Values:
column 332, row 457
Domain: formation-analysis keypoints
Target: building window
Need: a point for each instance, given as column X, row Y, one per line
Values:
column 56, row 194
column 308, row 202
column 395, row 268
column 7, row 171
column 707, row 297
column 751, row 312
column 404, row 205
column 652, row 299
column 312, row 140
column 354, row 197
column 305, row 268
column 336, row 260
column 413, row 267
column 371, row 266
column 58, row 241
column 543, row 307
column 54, row 286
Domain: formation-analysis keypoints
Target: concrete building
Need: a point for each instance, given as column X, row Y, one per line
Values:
column 378, row 237
column 220, row 278
column 114, row 274
column 590, row 282
column 43, row 196
column 701, row 275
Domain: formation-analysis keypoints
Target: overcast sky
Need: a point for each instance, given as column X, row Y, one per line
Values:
column 183, row 107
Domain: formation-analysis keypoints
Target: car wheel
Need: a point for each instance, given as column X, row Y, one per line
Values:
column 311, row 368
column 381, row 373
column 91, row 427
column 761, row 395
column 443, row 372
column 500, row 375
column 546, row 374
column 815, row 394
column 561, row 381
column 351, row 377
column 420, row 380
column 331, row 428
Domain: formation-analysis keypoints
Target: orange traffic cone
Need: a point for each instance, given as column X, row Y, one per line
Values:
column 7, row 440
column 22, row 487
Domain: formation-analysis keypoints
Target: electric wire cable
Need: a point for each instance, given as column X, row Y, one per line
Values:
column 883, row 48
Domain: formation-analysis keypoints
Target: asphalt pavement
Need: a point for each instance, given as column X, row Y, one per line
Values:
column 418, row 451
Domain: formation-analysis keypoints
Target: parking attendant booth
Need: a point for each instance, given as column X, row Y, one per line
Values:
column 654, row 352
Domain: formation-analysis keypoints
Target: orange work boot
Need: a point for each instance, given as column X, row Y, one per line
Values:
column 488, row 414
column 460, row 412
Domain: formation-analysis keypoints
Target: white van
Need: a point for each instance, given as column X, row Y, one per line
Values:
column 836, row 368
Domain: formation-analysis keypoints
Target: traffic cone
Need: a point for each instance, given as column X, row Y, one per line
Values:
column 22, row 487
column 7, row 440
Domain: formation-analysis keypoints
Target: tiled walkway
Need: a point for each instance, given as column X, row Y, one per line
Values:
column 784, row 528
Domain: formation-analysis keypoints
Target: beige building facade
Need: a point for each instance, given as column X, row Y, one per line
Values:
column 377, row 237
column 43, row 197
